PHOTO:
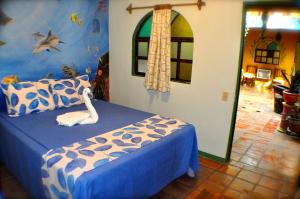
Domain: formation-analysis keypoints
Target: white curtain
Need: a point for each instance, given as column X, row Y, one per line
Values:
column 159, row 56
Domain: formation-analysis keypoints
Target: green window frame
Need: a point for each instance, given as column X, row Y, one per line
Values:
column 180, row 57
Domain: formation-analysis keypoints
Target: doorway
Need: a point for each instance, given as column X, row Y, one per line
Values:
column 267, row 51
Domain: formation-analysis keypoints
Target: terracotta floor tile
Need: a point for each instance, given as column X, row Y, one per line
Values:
column 204, row 172
column 288, row 188
column 288, row 163
column 241, row 185
column 288, row 172
column 230, row 170
column 284, row 196
column 211, row 187
column 254, row 154
column 249, row 160
column 194, row 193
column 190, row 182
column 190, row 196
column 220, row 178
column 176, row 189
column 249, row 176
column 254, row 169
column 209, row 195
column 266, row 165
column 242, row 125
column 262, row 192
column 232, row 194
column 236, row 164
column 239, row 150
column 270, row 183
column 256, row 150
column 209, row 163
column 273, row 174
column 235, row 156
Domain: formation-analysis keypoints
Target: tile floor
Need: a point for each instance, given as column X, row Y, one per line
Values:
column 264, row 162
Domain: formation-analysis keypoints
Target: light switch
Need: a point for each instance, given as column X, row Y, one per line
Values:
column 225, row 96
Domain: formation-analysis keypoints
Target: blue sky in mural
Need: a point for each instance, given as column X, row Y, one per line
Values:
column 81, row 25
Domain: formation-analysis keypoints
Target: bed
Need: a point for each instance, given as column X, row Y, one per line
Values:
column 141, row 174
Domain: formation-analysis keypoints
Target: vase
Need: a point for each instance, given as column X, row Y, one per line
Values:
column 290, row 98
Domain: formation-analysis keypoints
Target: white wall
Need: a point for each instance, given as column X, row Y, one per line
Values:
column 217, row 32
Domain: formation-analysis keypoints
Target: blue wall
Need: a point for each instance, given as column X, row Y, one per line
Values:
column 84, row 38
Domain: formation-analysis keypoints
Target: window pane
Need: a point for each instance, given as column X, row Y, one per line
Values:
column 185, row 71
column 258, row 53
column 181, row 28
column 270, row 54
column 186, row 50
column 173, row 69
column 145, row 30
column 269, row 60
column 264, row 53
column 264, row 59
column 276, row 54
column 142, row 65
column 143, row 49
column 174, row 49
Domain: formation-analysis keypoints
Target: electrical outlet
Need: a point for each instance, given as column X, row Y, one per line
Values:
column 225, row 96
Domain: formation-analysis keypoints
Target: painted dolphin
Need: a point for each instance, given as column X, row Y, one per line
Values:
column 45, row 43
column 4, row 19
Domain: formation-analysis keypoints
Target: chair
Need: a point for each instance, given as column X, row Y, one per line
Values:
column 249, row 76
column 278, row 77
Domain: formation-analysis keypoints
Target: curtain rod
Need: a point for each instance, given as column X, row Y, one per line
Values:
column 199, row 4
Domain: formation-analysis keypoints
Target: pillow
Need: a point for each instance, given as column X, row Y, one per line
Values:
column 64, row 93
column 45, row 93
column 2, row 102
column 81, row 82
column 27, row 97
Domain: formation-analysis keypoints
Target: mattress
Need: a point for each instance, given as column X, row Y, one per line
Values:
column 23, row 141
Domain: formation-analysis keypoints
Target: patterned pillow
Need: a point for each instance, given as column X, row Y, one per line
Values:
column 64, row 93
column 82, row 82
column 45, row 93
column 25, row 97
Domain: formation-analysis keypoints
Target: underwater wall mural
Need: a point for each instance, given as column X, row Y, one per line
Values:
column 52, row 39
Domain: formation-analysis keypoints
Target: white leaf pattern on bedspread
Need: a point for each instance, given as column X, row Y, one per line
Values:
column 62, row 166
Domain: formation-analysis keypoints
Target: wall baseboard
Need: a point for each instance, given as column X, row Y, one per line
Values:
column 212, row 157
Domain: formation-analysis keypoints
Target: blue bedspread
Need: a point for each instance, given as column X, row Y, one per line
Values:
column 139, row 175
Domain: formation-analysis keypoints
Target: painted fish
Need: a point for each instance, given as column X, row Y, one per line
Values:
column 75, row 19
column 88, row 70
column 96, row 26
column 69, row 72
column 2, row 43
column 45, row 42
column 4, row 19
column 11, row 79
column 88, row 49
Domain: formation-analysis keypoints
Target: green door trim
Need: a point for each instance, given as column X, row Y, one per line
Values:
column 246, row 5
column 212, row 157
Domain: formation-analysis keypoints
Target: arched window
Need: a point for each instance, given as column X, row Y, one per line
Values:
column 181, row 48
